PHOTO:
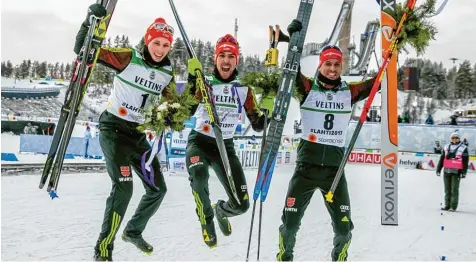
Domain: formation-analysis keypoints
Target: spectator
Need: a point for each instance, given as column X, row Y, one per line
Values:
column 437, row 147
column 465, row 142
column 87, row 136
column 453, row 120
column 429, row 120
column 454, row 159
column 34, row 130
column 27, row 129
column 406, row 118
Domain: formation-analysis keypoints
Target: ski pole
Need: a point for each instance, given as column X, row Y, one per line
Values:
column 263, row 141
column 388, row 55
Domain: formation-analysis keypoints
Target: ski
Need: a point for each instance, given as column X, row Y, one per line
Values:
column 387, row 56
column 281, row 104
column 209, row 105
column 82, row 72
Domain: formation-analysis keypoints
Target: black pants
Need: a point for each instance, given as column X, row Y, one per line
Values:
column 306, row 179
column 202, row 153
column 123, row 148
column 451, row 182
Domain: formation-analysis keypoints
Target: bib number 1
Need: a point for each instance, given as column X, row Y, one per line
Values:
column 144, row 100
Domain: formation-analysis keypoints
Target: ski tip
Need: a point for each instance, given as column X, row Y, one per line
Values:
column 53, row 194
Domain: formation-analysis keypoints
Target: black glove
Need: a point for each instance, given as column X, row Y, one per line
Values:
column 96, row 10
column 283, row 37
column 294, row 26
column 463, row 175
column 438, row 173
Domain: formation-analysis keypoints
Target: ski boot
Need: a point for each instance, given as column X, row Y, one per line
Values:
column 223, row 221
column 209, row 235
column 139, row 242
column 445, row 208
column 98, row 257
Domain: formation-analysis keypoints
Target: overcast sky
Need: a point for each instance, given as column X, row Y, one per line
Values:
column 45, row 29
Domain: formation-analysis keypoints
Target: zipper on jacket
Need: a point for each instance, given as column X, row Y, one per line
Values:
column 323, row 155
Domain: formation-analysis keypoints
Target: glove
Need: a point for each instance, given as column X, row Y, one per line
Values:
column 294, row 26
column 463, row 175
column 267, row 104
column 96, row 10
column 438, row 173
column 194, row 64
column 283, row 37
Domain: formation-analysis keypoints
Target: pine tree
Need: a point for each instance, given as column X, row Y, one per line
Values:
column 34, row 70
column 61, row 71
column 200, row 51
column 125, row 42
column 178, row 54
column 51, row 70
column 451, row 87
column 464, row 80
column 56, row 71
column 431, row 106
column 4, row 68
column 109, row 42
column 472, row 94
column 17, row 72
column 117, row 42
column 420, row 110
column 67, row 71
column 9, row 69
column 209, row 53
column 140, row 45
column 441, row 83
column 23, row 70
column 28, row 65
column 42, row 69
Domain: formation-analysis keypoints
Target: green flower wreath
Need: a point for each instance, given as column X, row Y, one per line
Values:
column 265, row 84
column 168, row 112
column 418, row 30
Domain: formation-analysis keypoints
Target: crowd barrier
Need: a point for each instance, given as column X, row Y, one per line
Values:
column 405, row 159
column 421, row 137
column 412, row 138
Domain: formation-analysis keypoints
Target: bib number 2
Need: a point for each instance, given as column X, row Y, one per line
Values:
column 328, row 121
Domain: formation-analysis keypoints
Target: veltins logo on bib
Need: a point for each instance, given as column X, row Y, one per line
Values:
column 152, row 75
column 330, row 97
column 226, row 90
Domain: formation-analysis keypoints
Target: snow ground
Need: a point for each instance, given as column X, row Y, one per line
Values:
column 37, row 228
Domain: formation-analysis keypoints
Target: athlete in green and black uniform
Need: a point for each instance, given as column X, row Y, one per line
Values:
column 325, row 110
column 140, row 75
column 202, row 151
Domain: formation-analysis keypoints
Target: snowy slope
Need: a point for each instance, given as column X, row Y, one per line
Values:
column 36, row 228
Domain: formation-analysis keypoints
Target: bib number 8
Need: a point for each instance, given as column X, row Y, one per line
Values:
column 329, row 121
